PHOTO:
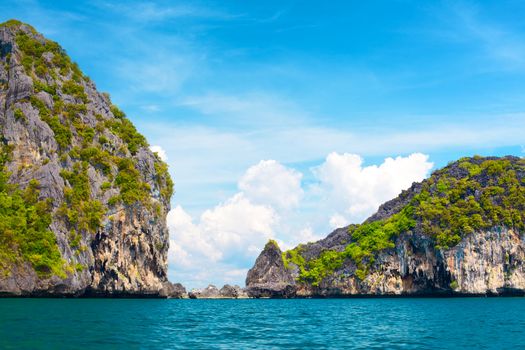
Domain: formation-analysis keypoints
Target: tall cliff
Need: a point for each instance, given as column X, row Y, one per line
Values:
column 460, row 232
column 83, row 201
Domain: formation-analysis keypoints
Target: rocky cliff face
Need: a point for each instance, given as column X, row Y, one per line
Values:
column 83, row 201
column 269, row 277
column 459, row 232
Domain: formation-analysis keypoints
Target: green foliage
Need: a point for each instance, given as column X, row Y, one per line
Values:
column 366, row 239
column 158, row 209
column 117, row 113
column 39, row 86
column 489, row 194
column 163, row 179
column 32, row 49
column 87, row 134
column 103, row 140
column 74, row 239
column 19, row 115
column 128, row 180
column 11, row 23
column 73, row 111
column 124, row 129
column 80, row 211
column 62, row 132
column 98, row 158
column 113, row 201
column 24, row 228
column 317, row 269
column 465, row 197
column 454, row 285
column 71, row 88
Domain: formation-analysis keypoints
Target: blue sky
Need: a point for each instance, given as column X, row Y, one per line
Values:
column 221, row 86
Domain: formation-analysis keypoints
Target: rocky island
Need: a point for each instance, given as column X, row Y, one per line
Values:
column 83, row 201
column 460, row 232
column 83, row 205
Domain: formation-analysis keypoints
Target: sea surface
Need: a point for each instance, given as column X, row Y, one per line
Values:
column 457, row 323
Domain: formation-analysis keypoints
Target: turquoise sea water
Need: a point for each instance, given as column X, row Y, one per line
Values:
column 468, row 323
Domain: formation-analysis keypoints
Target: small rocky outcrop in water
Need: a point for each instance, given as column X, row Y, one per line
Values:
column 83, row 201
column 460, row 232
column 232, row 292
column 173, row 291
column 212, row 292
column 269, row 277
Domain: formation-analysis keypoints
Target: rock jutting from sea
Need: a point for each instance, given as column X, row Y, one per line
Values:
column 83, row 200
column 460, row 232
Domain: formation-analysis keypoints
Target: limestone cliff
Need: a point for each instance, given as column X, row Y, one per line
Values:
column 460, row 232
column 83, row 201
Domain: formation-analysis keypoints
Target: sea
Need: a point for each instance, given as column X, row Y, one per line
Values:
column 405, row 323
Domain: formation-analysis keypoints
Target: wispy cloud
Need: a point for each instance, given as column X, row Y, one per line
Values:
column 254, row 109
column 466, row 22
column 159, row 12
column 209, row 157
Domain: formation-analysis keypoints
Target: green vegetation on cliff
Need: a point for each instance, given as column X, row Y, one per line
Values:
column 103, row 163
column 467, row 196
column 42, row 57
column 81, row 212
column 24, row 227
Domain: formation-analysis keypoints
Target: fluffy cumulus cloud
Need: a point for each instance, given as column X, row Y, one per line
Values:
column 223, row 242
column 273, row 184
column 160, row 152
column 231, row 232
column 355, row 191
column 229, row 236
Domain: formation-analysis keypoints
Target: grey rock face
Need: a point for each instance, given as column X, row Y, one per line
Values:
column 173, row 291
column 269, row 277
column 490, row 262
column 486, row 260
column 232, row 292
column 211, row 292
column 127, row 254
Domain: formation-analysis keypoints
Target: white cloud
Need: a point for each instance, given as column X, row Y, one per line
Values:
column 189, row 237
column 255, row 108
column 467, row 23
column 227, row 238
column 151, row 12
column 337, row 220
column 346, row 183
column 269, row 182
column 160, row 151
column 304, row 235
column 164, row 77
column 230, row 233
column 237, row 225
column 151, row 108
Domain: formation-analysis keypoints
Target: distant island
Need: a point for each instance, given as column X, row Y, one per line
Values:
column 83, row 205
column 459, row 232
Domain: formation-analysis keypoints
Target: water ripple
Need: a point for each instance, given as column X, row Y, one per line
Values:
column 473, row 323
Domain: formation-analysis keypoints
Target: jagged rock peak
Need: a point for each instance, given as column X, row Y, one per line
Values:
column 73, row 158
column 269, row 276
